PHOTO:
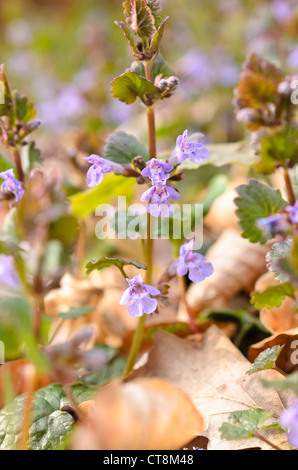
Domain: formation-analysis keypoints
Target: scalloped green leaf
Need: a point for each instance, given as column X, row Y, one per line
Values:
column 104, row 262
column 243, row 424
column 139, row 17
column 256, row 201
column 130, row 86
column 130, row 36
column 273, row 296
column 157, row 38
column 279, row 252
column 266, row 360
column 122, row 148
column 49, row 426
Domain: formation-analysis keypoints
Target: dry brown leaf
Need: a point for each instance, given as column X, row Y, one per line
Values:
column 213, row 374
column 75, row 293
column 145, row 414
column 277, row 319
column 237, row 264
column 286, row 338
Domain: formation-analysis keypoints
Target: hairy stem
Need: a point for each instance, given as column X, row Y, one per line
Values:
column 138, row 335
column 262, row 438
column 290, row 191
column 18, row 164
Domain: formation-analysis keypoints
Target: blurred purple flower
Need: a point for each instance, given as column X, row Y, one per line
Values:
column 160, row 195
column 289, row 419
column 274, row 224
column 8, row 276
column 11, row 184
column 195, row 151
column 196, row 70
column 139, row 296
column 99, row 167
column 192, row 263
column 157, row 170
column 293, row 211
column 281, row 10
column 292, row 59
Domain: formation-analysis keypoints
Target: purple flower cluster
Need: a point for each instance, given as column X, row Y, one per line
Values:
column 100, row 166
column 139, row 296
column 289, row 419
column 8, row 276
column 195, row 151
column 157, row 170
column 159, row 194
column 11, row 184
column 192, row 263
column 281, row 10
column 293, row 211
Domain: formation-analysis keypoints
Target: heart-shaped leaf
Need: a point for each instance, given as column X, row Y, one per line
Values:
column 122, row 148
column 243, row 424
column 130, row 85
column 272, row 296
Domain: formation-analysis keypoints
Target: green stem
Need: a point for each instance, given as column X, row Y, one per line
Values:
column 139, row 332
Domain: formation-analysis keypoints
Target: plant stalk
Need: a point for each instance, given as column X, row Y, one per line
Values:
column 290, row 191
column 139, row 332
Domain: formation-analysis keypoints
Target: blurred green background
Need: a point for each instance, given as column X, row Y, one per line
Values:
column 64, row 54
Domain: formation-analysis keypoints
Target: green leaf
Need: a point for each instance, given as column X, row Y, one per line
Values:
column 243, row 424
column 25, row 111
column 139, row 17
column 122, row 148
column 256, row 201
column 129, row 34
column 5, row 164
column 159, row 67
column 130, row 85
column 49, row 426
column 273, row 296
column 157, row 38
column 266, row 360
column 75, row 312
column 103, row 263
column 289, row 383
column 154, row 6
column 65, row 229
column 280, row 147
column 85, row 202
column 223, row 154
column 279, row 252
column 6, row 108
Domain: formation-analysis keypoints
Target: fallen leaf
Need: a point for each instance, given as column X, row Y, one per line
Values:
column 213, row 374
column 288, row 339
column 233, row 273
column 145, row 414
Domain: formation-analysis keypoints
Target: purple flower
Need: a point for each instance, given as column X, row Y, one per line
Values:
column 160, row 195
column 195, row 151
column 139, row 296
column 281, row 10
column 11, row 184
column 98, row 168
column 289, row 419
column 192, row 263
column 8, row 276
column 157, row 170
column 292, row 59
column 293, row 211
column 274, row 224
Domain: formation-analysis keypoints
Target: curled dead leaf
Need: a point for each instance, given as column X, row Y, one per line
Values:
column 145, row 414
column 288, row 356
column 237, row 264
